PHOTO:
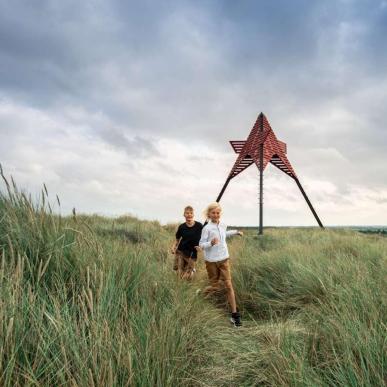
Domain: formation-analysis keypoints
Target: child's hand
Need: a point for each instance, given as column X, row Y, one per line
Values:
column 240, row 233
column 215, row 241
column 198, row 248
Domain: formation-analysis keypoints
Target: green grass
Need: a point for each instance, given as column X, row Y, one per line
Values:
column 92, row 301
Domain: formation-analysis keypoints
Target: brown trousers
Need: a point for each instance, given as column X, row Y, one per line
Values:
column 218, row 271
column 185, row 265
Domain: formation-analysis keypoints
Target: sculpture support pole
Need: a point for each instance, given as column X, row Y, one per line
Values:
column 309, row 203
column 223, row 189
column 260, row 231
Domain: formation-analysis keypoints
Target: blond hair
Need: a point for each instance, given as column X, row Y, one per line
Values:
column 210, row 207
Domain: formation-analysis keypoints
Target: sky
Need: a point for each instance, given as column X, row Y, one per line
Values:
column 125, row 107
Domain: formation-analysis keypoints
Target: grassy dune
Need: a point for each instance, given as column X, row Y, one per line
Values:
column 92, row 301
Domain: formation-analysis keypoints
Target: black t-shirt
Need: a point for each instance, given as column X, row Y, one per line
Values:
column 190, row 238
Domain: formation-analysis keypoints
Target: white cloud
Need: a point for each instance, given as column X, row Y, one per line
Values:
column 129, row 107
column 90, row 175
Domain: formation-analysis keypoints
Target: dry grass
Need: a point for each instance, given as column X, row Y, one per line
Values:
column 91, row 301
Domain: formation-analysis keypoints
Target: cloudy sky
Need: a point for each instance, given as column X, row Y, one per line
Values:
column 127, row 107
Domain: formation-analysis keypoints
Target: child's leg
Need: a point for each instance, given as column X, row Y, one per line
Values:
column 180, row 262
column 176, row 261
column 191, row 264
column 189, row 268
column 230, row 295
column 225, row 275
column 213, row 276
column 185, row 267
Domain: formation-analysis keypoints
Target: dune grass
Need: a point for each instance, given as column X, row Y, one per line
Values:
column 317, row 300
column 92, row 301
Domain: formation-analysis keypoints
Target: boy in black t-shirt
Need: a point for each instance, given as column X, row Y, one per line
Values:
column 187, row 240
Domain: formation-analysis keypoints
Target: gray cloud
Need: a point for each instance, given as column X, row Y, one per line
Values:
column 137, row 146
column 177, row 80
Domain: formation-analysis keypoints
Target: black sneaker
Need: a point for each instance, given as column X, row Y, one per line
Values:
column 236, row 319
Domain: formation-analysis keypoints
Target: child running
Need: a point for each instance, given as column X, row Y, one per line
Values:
column 213, row 243
column 185, row 247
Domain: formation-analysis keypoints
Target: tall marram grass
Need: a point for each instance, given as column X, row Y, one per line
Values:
column 318, row 300
column 86, row 301
column 92, row 301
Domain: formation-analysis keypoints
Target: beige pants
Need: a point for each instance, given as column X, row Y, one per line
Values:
column 218, row 271
column 184, row 265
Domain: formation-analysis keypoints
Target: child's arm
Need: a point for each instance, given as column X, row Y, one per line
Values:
column 175, row 245
column 204, row 243
column 233, row 232
column 179, row 237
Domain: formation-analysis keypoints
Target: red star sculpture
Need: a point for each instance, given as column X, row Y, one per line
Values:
column 274, row 151
column 262, row 147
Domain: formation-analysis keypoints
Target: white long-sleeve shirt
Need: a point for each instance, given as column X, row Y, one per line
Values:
column 217, row 252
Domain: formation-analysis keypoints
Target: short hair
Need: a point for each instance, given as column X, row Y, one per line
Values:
column 188, row 208
column 210, row 207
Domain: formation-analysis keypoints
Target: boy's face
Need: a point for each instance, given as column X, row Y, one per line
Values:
column 188, row 215
column 215, row 215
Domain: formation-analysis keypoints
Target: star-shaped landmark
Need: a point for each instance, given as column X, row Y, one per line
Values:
column 260, row 148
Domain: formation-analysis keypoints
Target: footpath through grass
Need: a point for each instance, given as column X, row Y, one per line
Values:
column 91, row 301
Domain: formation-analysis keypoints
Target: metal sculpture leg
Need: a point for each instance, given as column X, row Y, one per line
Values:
column 223, row 189
column 260, row 231
column 309, row 203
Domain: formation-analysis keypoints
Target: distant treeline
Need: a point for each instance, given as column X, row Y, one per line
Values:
column 363, row 229
column 374, row 231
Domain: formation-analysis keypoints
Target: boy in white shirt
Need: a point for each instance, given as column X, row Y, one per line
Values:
column 213, row 243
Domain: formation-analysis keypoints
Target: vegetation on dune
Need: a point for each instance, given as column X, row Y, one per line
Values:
column 322, row 295
column 91, row 301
